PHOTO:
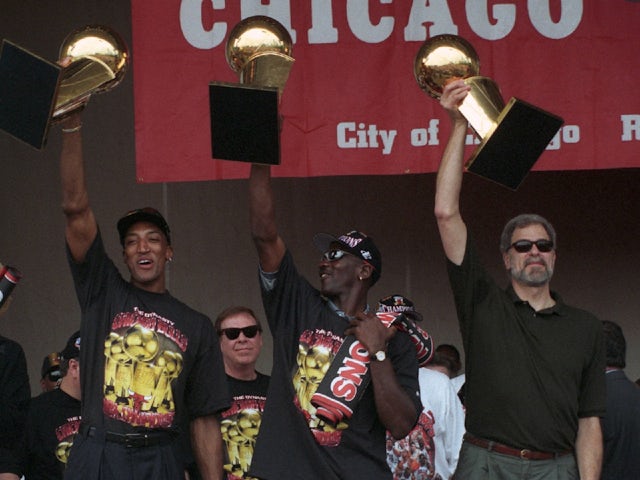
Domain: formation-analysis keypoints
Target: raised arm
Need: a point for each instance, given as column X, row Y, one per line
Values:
column 81, row 228
column 453, row 230
column 270, row 246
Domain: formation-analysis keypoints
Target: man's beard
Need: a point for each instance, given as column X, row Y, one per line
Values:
column 536, row 278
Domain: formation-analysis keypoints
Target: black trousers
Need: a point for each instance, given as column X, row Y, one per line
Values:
column 94, row 457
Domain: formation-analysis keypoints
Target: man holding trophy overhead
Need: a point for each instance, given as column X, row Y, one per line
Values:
column 152, row 367
column 310, row 325
column 535, row 366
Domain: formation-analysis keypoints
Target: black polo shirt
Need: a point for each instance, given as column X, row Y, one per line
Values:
column 529, row 375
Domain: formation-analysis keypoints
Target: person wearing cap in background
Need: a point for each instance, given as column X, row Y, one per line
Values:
column 151, row 365
column 309, row 326
column 53, row 420
column 50, row 372
column 535, row 386
column 15, row 393
column 431, row 449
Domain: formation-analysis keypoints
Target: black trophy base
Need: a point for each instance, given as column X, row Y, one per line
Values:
column 28, row 88
column 244, row 123
column 506, row 155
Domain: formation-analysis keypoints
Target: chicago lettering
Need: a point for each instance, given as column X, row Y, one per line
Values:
column 488, row 21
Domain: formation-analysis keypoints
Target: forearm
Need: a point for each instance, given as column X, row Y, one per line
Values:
column 447, row 199
column 396, row 410
column 81, row 226
column 206, row 442
column 74, row 192
column 450, row 172
column 263, row 218
column 589, row 448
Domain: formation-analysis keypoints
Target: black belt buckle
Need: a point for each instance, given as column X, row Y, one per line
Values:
column 136, row 440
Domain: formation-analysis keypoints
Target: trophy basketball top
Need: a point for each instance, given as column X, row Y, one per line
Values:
column 97, row 61
column 101, row 44
column 444, row 58
column 254, row 36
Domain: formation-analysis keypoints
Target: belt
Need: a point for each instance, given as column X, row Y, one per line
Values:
column 524, row 453
column 129, row 440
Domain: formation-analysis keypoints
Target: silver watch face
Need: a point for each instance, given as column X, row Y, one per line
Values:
column 381, row 356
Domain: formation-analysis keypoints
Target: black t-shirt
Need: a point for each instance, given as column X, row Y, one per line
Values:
column 241, row 423
column 14, row 401
column 52, row 423
column 293, row 441
column 148, row 360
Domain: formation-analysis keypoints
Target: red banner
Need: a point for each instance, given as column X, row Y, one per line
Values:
column 352, row 106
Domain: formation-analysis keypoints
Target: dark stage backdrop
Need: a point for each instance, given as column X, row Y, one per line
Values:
column 595, row 213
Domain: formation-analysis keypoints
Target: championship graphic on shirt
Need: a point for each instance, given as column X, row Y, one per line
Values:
column 65, row 434
column 143, row 356
column 317, row 349
column 240, row 425
column 414, row 456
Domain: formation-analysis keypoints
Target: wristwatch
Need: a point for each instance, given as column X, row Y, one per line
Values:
column 380, row 356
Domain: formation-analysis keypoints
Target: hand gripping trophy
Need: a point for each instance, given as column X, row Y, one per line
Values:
column 513, row 136
column 35, row 93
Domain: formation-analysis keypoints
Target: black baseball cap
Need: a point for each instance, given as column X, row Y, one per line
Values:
column 398, row 303
column 356, row 243
column 72, row 348
column 51, row 364
column 146, row 214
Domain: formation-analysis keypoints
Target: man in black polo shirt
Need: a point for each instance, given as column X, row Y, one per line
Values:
column 534, row 366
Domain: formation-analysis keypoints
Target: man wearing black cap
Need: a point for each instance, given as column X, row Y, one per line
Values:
column 309, row 326
column 50, row 372
column 54, row 419
column 152, row 368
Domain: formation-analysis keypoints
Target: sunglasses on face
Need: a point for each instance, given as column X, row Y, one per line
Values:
column 53, row 376
column 334, row 255
column 523, row 246
column 233, row 333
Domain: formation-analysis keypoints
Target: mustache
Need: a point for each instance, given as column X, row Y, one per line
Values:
column 532, row 260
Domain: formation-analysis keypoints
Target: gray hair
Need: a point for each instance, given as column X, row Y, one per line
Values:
column 522, row 221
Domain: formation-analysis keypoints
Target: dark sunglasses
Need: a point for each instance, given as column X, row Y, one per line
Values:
column 523, row 246
column 53, row 376
column 233, row 333
column 334, row 255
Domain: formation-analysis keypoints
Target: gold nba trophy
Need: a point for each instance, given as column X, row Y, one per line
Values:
column 35, row 93
column 244, row 116
column 513, row 135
